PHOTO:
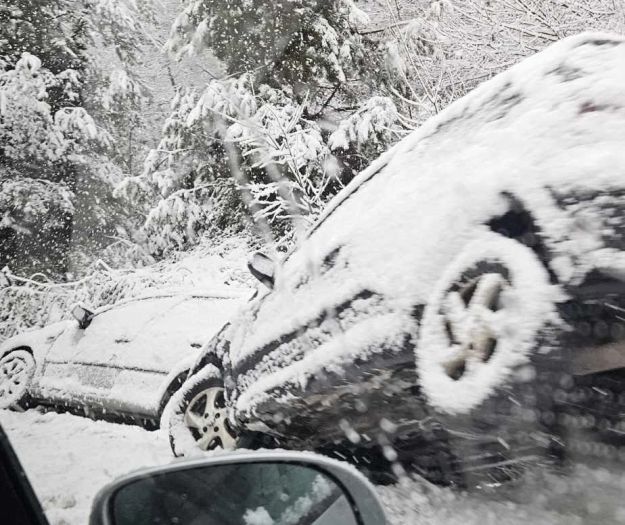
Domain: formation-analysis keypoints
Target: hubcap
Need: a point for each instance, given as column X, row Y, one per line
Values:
column 206, row 417
column 14, row 375
column 471, row 322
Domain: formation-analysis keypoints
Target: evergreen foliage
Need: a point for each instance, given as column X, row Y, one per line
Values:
column 59, row 159
column 258, row 139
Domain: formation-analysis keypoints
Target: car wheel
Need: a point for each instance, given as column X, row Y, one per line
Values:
column 16, row 371
column 197, row 417
column 475, row 355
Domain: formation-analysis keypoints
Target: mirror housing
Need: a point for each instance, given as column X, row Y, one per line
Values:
column 263, row 267
column 82, row 314
column 241, row 488
column 5, row 282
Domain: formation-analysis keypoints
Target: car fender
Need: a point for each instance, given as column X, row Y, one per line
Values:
column 216, row 350
column 168, row 386
column 37, row 341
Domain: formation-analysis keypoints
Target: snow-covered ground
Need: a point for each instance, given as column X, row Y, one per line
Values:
column 68, row 458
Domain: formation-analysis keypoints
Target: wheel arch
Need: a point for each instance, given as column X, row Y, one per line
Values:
column 519, row 223
column 214, row 352
column 173, row 381
column 207, row 358
column 8, row 350
column 172, row 387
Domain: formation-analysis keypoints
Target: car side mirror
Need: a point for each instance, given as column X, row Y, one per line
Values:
column 242, row 489
column 82, row 314
column 5, row 282
column 263, row 268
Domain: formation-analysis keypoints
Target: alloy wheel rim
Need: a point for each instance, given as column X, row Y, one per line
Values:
column 14, row 375
column 206, row 416
column 471, row 323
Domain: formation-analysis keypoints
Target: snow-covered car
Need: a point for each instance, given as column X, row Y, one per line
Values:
column 457, row 296
column 125, row 359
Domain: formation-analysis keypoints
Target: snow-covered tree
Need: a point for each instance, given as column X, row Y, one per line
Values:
column 444, row 49
column 257, row 139
column 301, row 44
column 59, row 153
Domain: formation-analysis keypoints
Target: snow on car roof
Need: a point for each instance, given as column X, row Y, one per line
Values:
column 226, row 294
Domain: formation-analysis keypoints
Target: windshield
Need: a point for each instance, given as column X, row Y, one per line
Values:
column 437, row 188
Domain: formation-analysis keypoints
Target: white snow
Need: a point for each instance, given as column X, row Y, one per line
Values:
column 69, row 458
column 153, row 333
column 259, row 516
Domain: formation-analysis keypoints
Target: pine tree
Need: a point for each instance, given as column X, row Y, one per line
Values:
column 58, row 163
column 258, row 138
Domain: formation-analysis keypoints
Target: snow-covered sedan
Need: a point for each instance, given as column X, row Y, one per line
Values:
column 126, row 359
column 460, row 299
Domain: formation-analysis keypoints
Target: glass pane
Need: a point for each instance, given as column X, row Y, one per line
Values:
column 239, row 494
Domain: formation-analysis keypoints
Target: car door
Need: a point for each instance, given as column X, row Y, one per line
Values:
column 174, row 336
column 83, row 364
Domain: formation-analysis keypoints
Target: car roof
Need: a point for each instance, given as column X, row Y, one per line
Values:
column 219, row 294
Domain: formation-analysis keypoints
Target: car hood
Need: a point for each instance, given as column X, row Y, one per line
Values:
column 36, row 338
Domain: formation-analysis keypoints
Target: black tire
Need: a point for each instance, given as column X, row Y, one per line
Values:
column 478, row 360
column 17, row 368
column 201, row 399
